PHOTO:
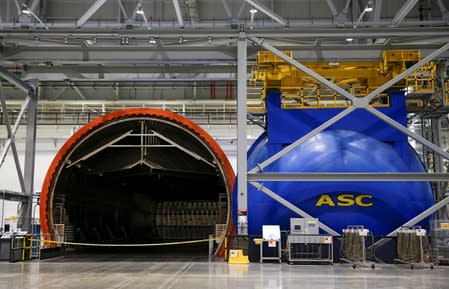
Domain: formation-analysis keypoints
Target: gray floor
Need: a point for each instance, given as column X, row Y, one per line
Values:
column 197, row 275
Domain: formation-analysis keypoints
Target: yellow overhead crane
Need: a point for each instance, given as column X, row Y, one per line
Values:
column 358, row 77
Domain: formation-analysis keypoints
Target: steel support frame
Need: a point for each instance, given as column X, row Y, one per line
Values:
column 377, row 10
column 332, row 7
column 11, row 138
column 122, row 9
column 403, row 12
column 89, row 12
column 290, row 206
column 437, row 159
column 78, row 91
column 426, row 213
column 267, row 11
column 178, row 13
column 9, row 195
column 27, row 186
column 14, row 130
column 407, row 72
column 25, row 220
column 99, row 149
column 443, row 9
column 344, row 177
column 362, row 103
column 227, row 8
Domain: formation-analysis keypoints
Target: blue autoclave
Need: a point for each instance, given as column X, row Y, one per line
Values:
column 360, row 142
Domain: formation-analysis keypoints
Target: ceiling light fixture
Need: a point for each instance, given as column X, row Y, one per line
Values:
column 349, row 39
column 209, row 39
column 180, row 39
column 369, row 7
column 152, row 40
column 140, row 11
column 27, row 11
column 253, row 12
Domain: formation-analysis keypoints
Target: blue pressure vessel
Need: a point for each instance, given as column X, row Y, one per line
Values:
column 358, row 144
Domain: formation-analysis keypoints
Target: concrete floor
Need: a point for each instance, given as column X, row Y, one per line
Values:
column 198, row 275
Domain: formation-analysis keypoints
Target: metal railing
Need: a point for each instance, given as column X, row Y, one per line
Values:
column 24, row 247
column 81, row 118
column 315, row 96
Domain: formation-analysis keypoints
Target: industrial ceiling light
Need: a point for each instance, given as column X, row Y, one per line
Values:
column 180, row 39
column 140, row 11
column 369, row 7
column 66, row 40
column 253, row 12
column 25, row 9
column 124, row 40
column 209, row 39
column 152, row 40
column 349, row 39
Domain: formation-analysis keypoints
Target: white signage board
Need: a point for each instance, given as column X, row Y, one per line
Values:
column 271, row 232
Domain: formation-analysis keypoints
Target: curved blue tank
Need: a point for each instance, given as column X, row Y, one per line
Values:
column 379, row 206
column 360, row 142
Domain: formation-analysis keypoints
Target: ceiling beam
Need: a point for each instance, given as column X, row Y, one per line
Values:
column 352, row 176
column 443, row 9
column 227, row 8
column 403, row 12
column 192, row 9
column 377, row 10
column 19, row 83
column 19, row 10
column 138, row 6
column 122, row 9
column 91, row 11
column 332, row 7
column 267, row 11
column 76, row 88
column 178, row 13
column 33, row 5
column 312, row 33
column 242, row 7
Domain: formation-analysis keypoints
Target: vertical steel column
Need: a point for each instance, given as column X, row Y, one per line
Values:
column 28, row 180
column 30, row 154
column 242, row 185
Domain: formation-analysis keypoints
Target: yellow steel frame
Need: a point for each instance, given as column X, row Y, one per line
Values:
column 423, row 79
column 28, row 243
column 314, row 96
column 447, row 92
column 358, row 77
